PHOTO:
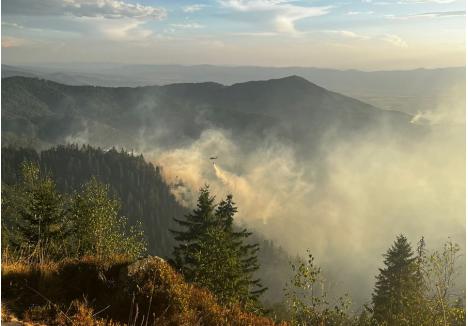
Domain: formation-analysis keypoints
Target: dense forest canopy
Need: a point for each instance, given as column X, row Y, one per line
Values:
column 144, row 194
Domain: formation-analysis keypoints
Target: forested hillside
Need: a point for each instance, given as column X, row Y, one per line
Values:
column 144, row 195
column 405, row 90
column 139, row 185
column 41, row 113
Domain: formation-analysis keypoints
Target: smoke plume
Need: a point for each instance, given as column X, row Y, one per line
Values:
column 347, row 206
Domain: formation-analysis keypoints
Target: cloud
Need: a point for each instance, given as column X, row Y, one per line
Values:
column 389, row 38
column 282, row 14
column 378, row 3
column 188, row 26
column 255, row 34
column 353, row 13
column 130, row 30
column 193, row 8
column 435, row 14
column 110, row 9
column 90, row 29
column 113, row 20
column 426, row 1
column 394, row 40
column 349, row 34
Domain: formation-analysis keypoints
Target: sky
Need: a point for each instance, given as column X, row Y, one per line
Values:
column 343, row 34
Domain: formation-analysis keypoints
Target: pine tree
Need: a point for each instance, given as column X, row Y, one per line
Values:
column 398, row 289
column 39, row 211
column 187, row 254
column 212, row 254
column 245, row 288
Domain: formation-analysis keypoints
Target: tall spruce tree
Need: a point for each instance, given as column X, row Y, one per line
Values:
column 212, row 254
column 244, row 286
column 38, row 212
column 398, row 290
column 196, row 224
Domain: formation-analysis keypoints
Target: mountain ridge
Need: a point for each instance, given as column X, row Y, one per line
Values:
column 291, row 108
column 408, row 91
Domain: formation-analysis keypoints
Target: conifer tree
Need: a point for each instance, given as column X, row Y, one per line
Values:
column 196, row 224
column 398, row 290
column 244, row 286
column 39, row 212
column 212, row 254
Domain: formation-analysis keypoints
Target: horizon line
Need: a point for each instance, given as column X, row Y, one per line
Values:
column 226, row 66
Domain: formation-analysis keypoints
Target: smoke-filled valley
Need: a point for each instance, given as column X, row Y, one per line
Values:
column 308, row 168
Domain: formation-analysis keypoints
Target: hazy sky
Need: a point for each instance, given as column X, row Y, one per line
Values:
column 362, row 34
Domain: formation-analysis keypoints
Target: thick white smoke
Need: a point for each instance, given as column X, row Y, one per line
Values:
column 349, row 207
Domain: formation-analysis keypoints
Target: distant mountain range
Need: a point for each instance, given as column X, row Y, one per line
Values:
column 291, row 109
column 408, row 91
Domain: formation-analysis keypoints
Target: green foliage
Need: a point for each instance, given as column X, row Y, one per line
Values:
column 213, row 255
column 418, row 289
column 187, row 253
column 399, row 287
column 139, row 185
column 412, row 290
column 307, row 300
column 242, row 256
column 99, row 230
column 440, row 269
column 35, row 214
column 143, row 193
column 40, row 222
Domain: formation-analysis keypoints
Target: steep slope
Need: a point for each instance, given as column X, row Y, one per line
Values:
column 144, row 194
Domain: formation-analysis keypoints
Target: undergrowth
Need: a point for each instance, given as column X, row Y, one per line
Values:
column 90, row 291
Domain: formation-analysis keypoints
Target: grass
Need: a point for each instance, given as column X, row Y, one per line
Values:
column 90, row 291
